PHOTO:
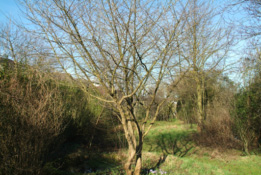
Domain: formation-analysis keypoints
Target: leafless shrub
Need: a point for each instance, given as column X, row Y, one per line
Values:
column 31, row 117
column 217, row 129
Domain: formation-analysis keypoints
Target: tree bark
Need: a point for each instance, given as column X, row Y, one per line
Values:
column 200, row 115
column 128, row 164
column 133, row 163
column 138, row 162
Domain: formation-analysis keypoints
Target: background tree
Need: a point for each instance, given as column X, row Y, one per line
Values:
column 23, row 48
column 205, row 46
column 248, row 23
column 251, row 22
column 247, row 103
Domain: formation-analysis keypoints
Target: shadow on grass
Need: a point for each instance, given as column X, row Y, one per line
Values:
column 77, row 159
column 175, row 143
column 178, row 144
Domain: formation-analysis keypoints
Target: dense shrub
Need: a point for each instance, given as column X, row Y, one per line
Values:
column 218, row 127
column 31, row 117
column 43, row 118
column 247, row 114
column 217, row 132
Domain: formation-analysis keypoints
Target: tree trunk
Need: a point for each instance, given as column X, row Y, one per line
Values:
column 128, row 164
column 138, row 165
column 200, row 115
column 139, row 155
column 246, row 147
column 134, row 161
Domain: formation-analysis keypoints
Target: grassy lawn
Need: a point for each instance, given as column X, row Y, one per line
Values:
column 172, row 139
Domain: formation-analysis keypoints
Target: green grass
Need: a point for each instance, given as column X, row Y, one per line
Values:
column 207, row 165
column 168, row 136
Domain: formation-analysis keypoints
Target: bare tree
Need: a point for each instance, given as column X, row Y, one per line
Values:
column 21, row 47
column 121, row 47
column 14, row 44
column 253, row 9
column 205, row 46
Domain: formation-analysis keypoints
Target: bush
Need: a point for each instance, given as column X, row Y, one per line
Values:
column 40, row 116
column 217, row 130
column 247, row 114
column 217, row 133
column 31, row 117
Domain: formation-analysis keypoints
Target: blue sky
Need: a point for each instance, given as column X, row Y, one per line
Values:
column 8, row 8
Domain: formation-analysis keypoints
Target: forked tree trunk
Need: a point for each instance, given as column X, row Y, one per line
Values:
column 128, row 165
column 246, row 147
column 133, row 163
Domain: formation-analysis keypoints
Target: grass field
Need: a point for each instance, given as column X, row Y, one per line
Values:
column 179, row 155
column 168, row 149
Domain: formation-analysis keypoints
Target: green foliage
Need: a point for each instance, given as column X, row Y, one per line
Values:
column 247, row 113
